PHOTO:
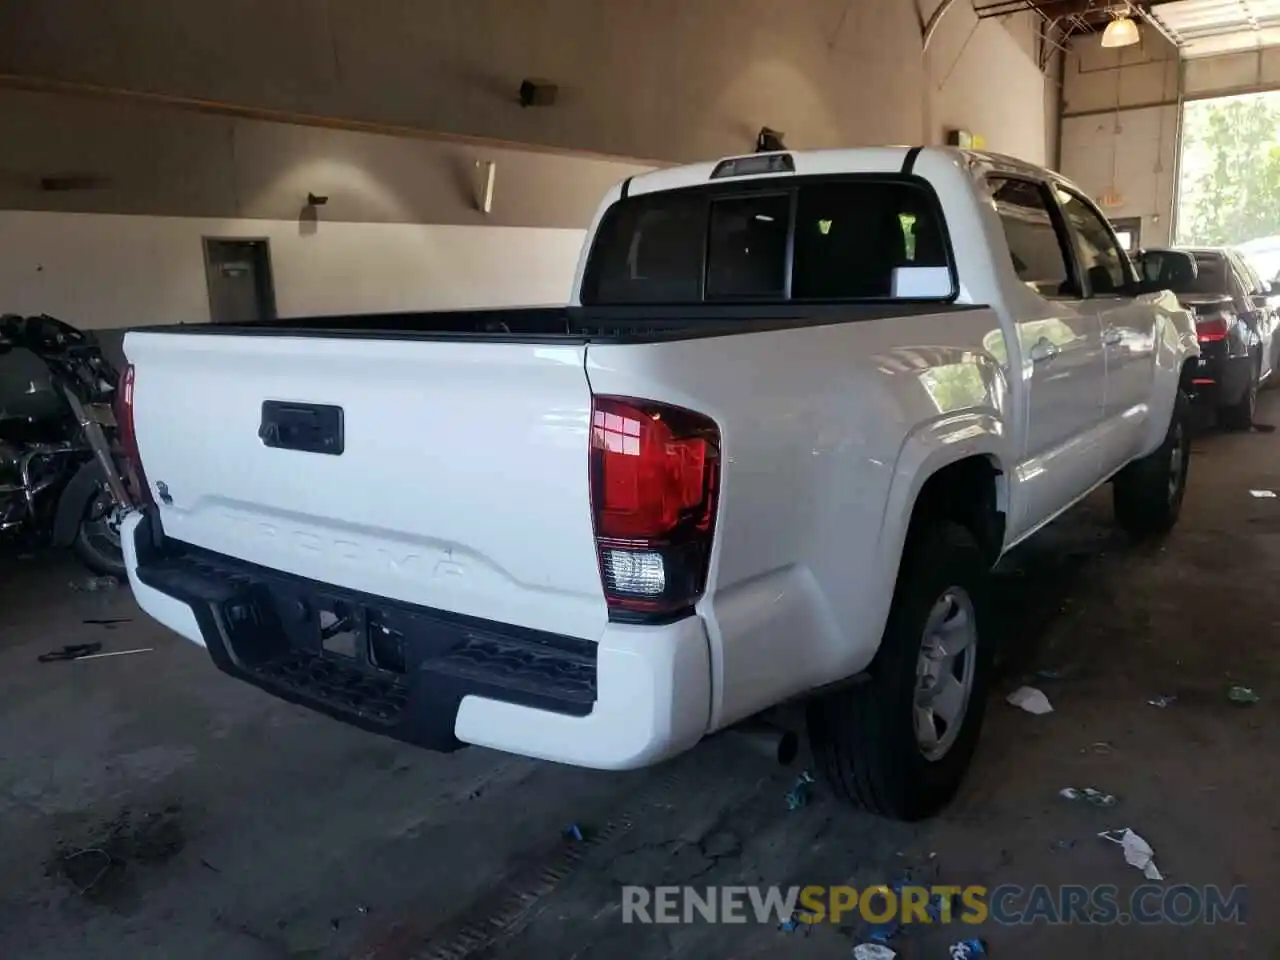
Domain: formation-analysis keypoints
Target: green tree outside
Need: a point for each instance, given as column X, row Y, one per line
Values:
column 1231, row 171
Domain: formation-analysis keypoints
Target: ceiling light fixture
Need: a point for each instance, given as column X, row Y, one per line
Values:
column 1121, row 32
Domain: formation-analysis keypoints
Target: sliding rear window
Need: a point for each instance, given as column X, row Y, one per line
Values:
column 863, row 238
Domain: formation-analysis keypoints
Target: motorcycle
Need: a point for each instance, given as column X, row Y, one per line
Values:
column 63, row 475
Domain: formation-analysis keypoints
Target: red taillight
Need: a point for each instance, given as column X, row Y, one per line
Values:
column 1211, row 328
column 129, row 438
column 655, row 476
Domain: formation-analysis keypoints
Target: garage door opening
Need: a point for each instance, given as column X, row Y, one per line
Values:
column 1229, row 193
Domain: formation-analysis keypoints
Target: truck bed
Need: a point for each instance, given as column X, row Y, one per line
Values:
column 642, row 324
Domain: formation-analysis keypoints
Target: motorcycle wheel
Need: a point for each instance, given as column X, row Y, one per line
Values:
column 97, row 542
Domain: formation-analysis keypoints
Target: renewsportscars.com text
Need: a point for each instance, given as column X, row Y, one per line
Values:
column 1008, row 905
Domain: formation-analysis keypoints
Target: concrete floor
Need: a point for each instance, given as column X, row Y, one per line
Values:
column 231, row 825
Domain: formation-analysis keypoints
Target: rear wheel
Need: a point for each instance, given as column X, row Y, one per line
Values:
column 97, row 542
column 1148, row 493
column 1239, row 416
column 899, row 744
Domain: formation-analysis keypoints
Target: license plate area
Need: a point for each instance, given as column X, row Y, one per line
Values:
column 360, row 634
column 373, row 661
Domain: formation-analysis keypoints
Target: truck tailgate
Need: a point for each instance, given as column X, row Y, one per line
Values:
column 462, row 482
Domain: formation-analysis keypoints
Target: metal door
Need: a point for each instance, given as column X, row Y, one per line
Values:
column 239, row 277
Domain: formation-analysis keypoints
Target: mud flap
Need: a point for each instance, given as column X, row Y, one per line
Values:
column 75, row 499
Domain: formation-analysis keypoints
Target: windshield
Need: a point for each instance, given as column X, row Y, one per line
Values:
column 860, row 238
column 1211, row 277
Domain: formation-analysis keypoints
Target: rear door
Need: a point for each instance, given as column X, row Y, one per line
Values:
column 1127, row 322
column 452, row 475
column 1254, row 299
column 1063, row 341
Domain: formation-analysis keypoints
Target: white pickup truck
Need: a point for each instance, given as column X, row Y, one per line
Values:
column 801, row 404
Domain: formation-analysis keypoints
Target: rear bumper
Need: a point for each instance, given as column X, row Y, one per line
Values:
column 639, row 695
column 1220, row 380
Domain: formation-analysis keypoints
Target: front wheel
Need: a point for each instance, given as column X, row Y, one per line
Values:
column 899, row 744
column 97, row 541
column 1148, row 493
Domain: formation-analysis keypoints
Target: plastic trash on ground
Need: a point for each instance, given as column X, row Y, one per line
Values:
column 873, row 951
column 1091, row 795
column 1243, row 696
column 798, row 795
column 573, row 832
column 1031, row 700
column 1164, row 700
column 1137, row 852
column 1262, row 494
column 968, row 949
column 95, row 584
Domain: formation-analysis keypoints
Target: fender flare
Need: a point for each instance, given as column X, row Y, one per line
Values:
column 926, row 450
column 1174, row 348
column 75, row 498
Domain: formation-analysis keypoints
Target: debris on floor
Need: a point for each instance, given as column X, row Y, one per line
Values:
column 1164, row 700
column 115, row 653
column 574, row 832
column 795, row 922
column 85, row 868
column 1031, row 700
column 95, row 584
column 1244, row 696
column 798, row 795
column 873, row 951
column 1055, row 673
column 968, row 949
column 886, row 931
column 1089, row 794
column 1062, row 845
column 72, row 651
column 1137, row 852
column 1262, row 494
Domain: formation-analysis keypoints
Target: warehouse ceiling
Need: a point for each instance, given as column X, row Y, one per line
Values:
column 1198, row 28
column 1202, row 28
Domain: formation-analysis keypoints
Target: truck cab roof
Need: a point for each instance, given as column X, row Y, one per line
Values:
column 899, row 159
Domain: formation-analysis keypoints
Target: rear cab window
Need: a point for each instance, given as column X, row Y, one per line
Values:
column 853, row 238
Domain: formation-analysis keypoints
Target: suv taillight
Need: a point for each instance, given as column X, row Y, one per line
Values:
column 1212, row 327
column 129, row 438
column 655, row 478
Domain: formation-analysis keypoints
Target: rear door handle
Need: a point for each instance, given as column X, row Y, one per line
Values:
column 1043, row 350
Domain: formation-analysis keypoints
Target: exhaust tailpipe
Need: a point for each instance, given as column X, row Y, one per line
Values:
column 778, row 744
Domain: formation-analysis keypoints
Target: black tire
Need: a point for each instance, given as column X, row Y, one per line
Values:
column 94, row 545
column 1147, row 494
column 864, row 737
column 1239, row 416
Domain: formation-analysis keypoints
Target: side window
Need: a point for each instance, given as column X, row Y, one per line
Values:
column 1248, row 276
column 1100, row 257
column 1035, row 245
column 854, row 238
column 747, row 247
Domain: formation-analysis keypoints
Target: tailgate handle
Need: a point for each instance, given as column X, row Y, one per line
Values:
column 309, row 427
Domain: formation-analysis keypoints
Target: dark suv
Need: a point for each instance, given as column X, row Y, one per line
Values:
column 1235, row 323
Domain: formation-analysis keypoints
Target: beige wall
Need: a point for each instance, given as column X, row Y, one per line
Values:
column 665, row 79
column 1122, row 115
column 1245, row 72
column 1120, row 129
column 670, row 80
column 984, row 78
column 170, row 162
column 105, row 270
